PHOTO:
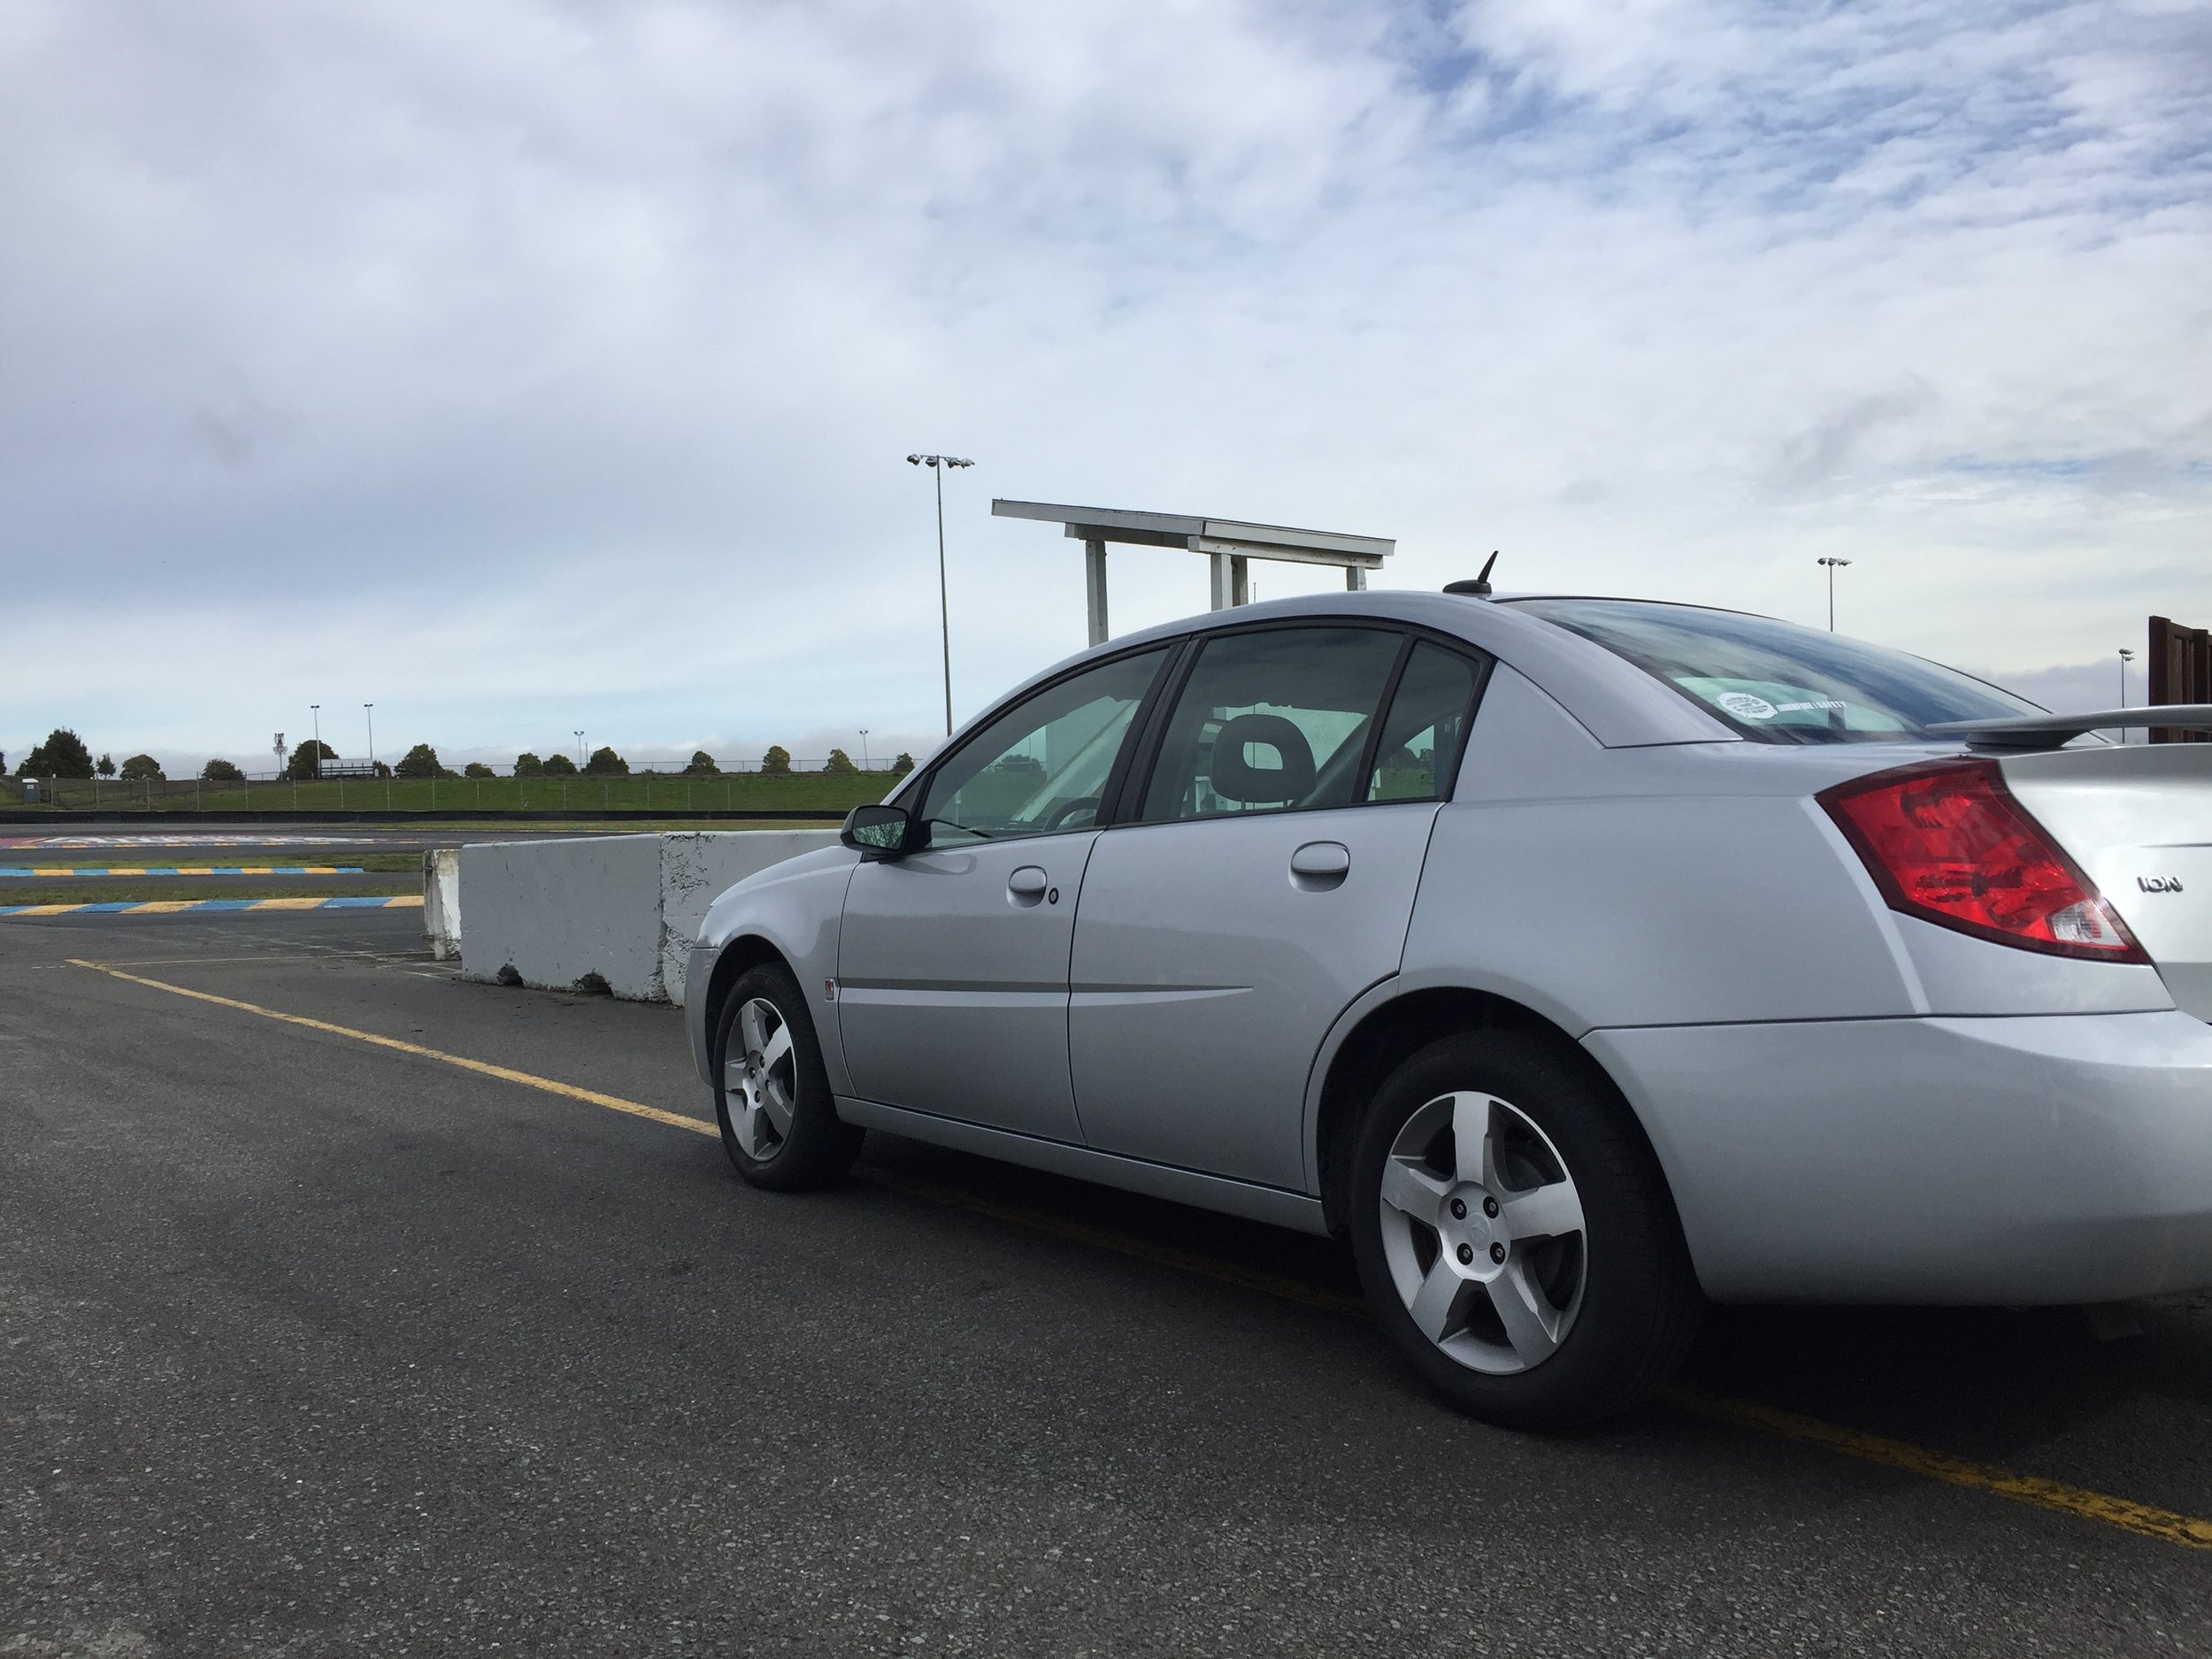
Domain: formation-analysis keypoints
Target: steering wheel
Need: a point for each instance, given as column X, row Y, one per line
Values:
column 1069, row 809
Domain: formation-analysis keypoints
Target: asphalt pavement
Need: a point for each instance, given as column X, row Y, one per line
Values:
column 322, row 1346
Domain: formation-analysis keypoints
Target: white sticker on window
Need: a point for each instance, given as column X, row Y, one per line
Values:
column 1744, row 706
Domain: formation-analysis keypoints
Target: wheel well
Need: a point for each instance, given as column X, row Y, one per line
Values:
column 1376, row 1046
column 746, row 950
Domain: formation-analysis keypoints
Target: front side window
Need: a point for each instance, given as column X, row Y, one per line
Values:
column 1042, row 766
column 1776, row 683
column 1271, row 720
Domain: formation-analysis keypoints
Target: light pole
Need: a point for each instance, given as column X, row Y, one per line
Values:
column 938, row 465
column 2126, row 656
column 580, row 751
column 1833, row 565
column 863, row 749
column 317, row 709
column 370, row 709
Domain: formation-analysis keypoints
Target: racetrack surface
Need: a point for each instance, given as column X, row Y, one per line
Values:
column 318, row 1346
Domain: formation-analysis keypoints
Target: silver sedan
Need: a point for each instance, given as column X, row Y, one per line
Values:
column 1579, row 960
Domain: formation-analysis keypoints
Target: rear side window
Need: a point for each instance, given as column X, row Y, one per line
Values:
column 1428, row 718
column 1776, row 683
column 1272, row 720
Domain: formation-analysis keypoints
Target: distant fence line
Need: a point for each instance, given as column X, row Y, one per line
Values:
column 671, row 791
column 350, row 766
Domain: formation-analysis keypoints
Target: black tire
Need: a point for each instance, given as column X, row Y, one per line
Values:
column 814, row 1147
column 1619, row 1292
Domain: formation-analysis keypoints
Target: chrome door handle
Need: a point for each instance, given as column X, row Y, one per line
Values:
column 1028, row 884
column 1321, row 861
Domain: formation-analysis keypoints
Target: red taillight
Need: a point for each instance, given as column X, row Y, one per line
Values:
column 1947, row 842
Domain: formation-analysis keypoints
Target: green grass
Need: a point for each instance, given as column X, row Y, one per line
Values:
column 591, row 826
column 747, row 792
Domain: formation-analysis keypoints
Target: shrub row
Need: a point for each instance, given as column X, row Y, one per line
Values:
column 64, row 754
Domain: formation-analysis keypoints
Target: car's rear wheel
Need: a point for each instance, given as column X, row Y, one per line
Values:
column 772, row 1094
column 1515, row 1235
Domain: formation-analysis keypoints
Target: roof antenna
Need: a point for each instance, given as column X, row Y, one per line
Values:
column 1479, row 588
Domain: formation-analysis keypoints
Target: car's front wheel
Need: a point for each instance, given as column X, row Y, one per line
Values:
column 772, row 1094
column 1515, row 1235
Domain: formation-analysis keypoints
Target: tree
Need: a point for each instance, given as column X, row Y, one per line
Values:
column 558, row 766
column 840, row 763
column 702, row 766
column 604, row 763
column 383, row 769
column 106, row 766
column 903, row 765
column 307, row 759
column 776, row 762
column 63, row 755
column 478, row 769
column 143, row 769
column 528, row 765
column 221, row 772
column 419, row 762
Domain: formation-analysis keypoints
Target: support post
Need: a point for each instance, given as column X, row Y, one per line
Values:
column 1095, row 588
column 1239, row 580
column 1355, row 579
column 1224, row 582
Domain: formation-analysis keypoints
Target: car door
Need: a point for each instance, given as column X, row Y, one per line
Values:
column 952, row 960
column 1269, row 881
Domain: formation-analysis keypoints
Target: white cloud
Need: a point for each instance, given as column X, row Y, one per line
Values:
column 534, row 365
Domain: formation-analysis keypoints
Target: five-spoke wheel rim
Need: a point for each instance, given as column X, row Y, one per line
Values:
column 760, row 1079
column 1483, row 1231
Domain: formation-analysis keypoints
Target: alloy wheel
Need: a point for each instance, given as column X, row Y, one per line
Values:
column 760, row 1079
column 1483, row 1231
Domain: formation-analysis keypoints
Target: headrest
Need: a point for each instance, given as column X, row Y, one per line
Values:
column 1290, row 778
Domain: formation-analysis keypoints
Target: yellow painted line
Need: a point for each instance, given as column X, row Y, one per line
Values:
column 613, row 1103
column 2130, row 1516
column 397, row 902
column 213, row 907
column 2145, row 1520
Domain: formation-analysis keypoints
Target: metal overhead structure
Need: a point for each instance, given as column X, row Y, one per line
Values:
column 1229, row 543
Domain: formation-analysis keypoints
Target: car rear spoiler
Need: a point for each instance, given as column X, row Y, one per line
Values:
column 2051, row 731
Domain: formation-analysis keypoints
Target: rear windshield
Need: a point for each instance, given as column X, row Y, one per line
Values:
column 1777, row 682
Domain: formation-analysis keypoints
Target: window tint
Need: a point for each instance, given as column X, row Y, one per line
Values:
column 1776, row 683
column 1270, row 720
column 1043, row 766
column 1420, row 739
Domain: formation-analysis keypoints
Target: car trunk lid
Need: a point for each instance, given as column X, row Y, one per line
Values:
column 2138, row 820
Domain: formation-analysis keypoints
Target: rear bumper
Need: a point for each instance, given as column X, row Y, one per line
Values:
column 2036, row 1160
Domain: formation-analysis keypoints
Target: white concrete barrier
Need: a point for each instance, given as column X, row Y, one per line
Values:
column 442, row 902
column 617, row 912
column 698, row 868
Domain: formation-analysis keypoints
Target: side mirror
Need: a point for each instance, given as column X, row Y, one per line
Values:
column 880, row 832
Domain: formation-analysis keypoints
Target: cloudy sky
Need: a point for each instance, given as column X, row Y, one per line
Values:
column 521, row 365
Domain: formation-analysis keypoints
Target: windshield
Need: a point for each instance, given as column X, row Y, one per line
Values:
column 1776, row 683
